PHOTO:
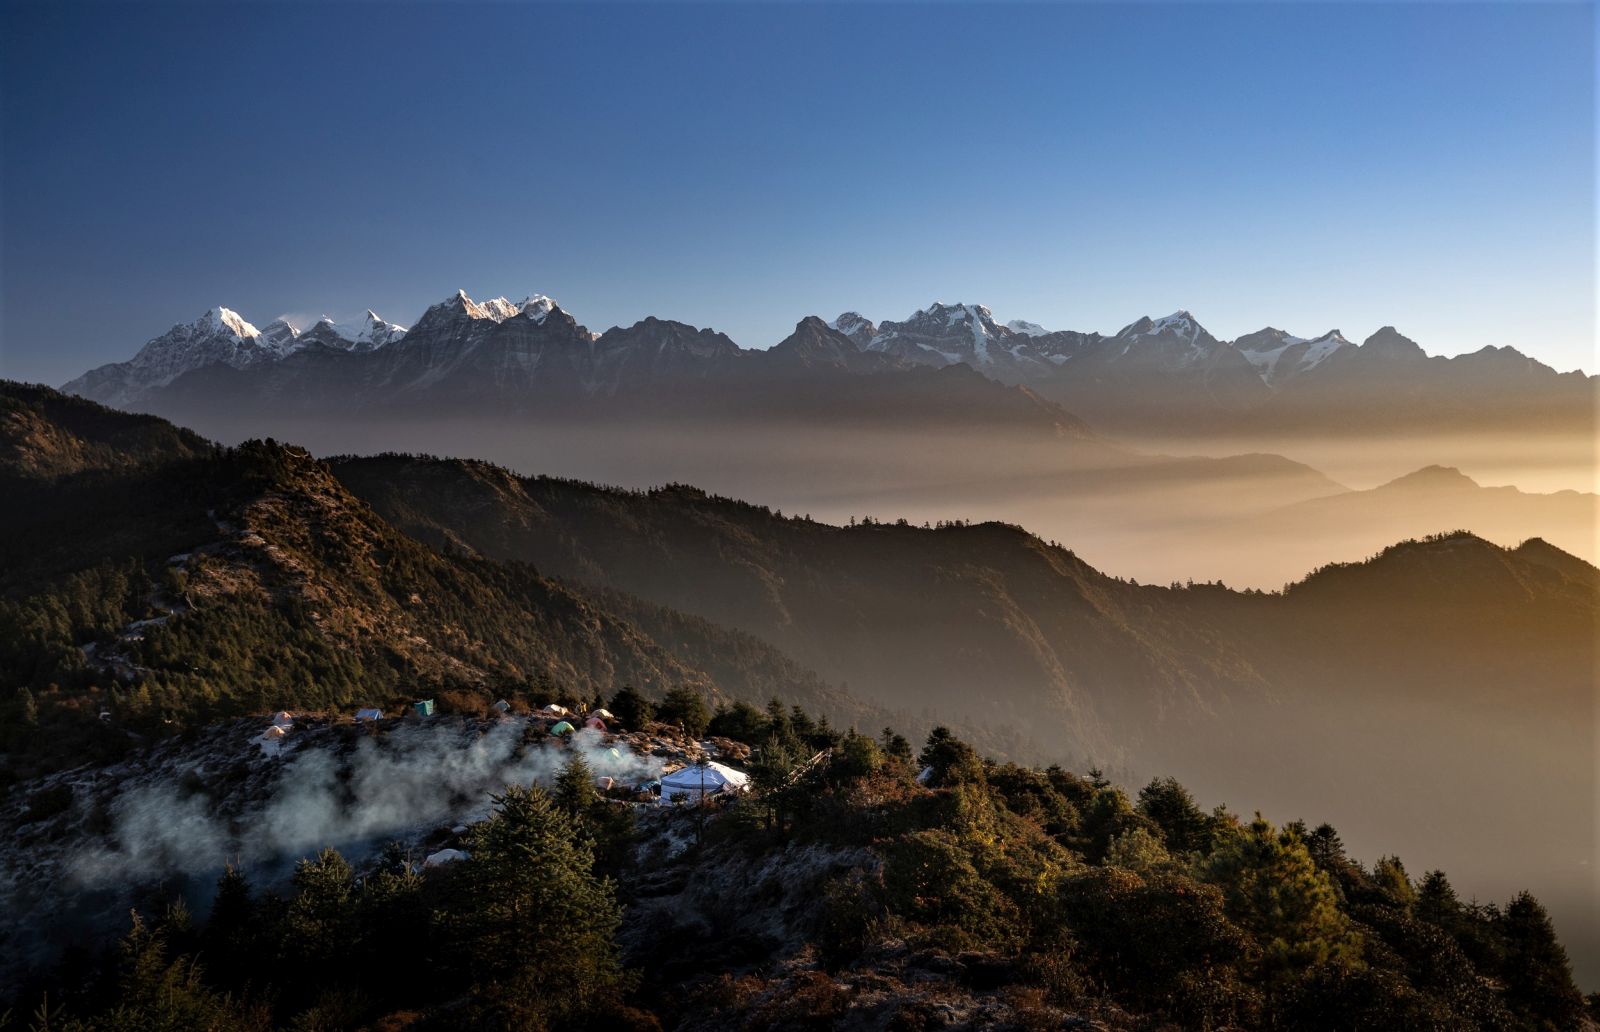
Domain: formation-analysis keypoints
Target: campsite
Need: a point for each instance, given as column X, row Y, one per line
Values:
column 260, row 792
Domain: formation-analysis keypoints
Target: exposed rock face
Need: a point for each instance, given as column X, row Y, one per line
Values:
column 945, row 334
column 815, row 343
column 857, row 327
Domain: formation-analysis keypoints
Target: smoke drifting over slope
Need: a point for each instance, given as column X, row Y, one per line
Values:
column 352, row 797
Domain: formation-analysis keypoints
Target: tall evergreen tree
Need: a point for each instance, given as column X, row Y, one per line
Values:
column 1326, row 849
column 953, row 761
column 1390, row 874
column 1437, row 901
column 1537, row 974
column 319, row 927
column 1183, row 824
column 232, row 936
column 533, row 921
column 686, row 708
column 631, row 710
column 1272, row 888
column 575, row 790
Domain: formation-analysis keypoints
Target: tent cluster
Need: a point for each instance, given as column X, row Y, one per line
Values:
column 567, row 721
column 270, row 741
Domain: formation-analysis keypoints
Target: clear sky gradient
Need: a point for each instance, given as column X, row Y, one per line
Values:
column 1303, row 166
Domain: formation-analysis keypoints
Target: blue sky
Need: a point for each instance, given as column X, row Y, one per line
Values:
column 741, row 166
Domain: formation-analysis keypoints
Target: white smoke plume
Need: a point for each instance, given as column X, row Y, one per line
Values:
column 326, row 793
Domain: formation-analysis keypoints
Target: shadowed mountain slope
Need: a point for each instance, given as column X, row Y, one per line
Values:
column 248, row 579
column 991, row 619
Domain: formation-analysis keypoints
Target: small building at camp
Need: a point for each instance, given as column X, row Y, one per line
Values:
column 690, row 785
column 369, row 713
column 423, row 707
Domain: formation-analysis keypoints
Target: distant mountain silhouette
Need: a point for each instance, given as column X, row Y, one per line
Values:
column 1154, row 375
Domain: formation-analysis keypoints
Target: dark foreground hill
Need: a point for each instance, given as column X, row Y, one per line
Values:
column 872, row 889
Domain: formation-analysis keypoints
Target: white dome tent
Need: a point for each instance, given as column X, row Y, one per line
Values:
column 689, row 785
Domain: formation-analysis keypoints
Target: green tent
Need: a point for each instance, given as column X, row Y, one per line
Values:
column 562, row 728
column 423, row 708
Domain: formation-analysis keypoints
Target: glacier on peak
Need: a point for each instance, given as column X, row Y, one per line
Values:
column 226, row 320
column 499, row 309
column 1026, row 328
column 1279, row 356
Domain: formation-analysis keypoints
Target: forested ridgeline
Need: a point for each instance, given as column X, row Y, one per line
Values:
column 198, row 583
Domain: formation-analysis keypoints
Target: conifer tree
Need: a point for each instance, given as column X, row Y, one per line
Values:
column 1326, row 848
column 685, row 707
column 1273, row 889
column 1390, row 874
column 895, row 745
column 1537, row 974
column 1183, row 824
column 533, row 923
column 953, row 761
column 1437, row 901
column 632, row 710
column 575, row 790
column 232, row 934
column 319, row 926
column 160, row 993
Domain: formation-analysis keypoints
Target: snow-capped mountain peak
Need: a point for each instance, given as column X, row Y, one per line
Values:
column 942, row 334
column 220, row 336
column 535, row 307
column 499, row 309
column 1279, row 356
column 856, row 326
column 226, row 320
column 279, row 335
column 1026, row 328
column 370, row 333
column 1179, row 324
